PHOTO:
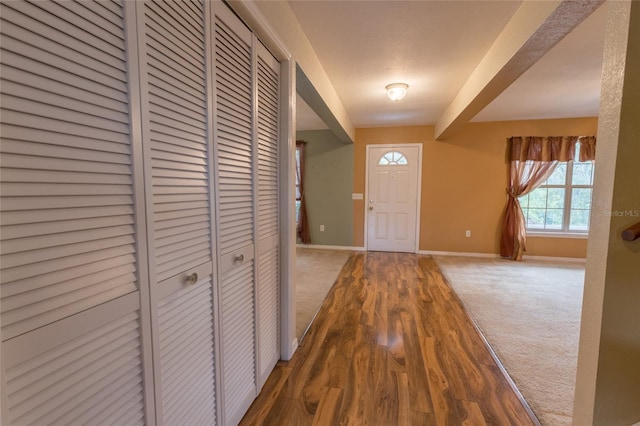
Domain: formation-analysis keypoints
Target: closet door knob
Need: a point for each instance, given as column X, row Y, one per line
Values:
column 192, row 278
column 239, row 258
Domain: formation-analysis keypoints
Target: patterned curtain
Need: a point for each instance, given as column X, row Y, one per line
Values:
column 302, row 222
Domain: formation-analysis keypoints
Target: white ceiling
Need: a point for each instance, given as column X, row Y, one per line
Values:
column 434, row 46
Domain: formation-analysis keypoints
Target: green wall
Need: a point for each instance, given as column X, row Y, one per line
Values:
column 328, row 183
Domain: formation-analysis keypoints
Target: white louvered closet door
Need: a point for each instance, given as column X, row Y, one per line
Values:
column 268, row 277
column 235, row 191
column 178, row 169
column 72, row 327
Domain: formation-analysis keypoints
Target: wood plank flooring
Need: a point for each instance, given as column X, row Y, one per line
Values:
column 391, row 345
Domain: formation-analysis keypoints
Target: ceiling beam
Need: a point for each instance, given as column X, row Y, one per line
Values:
column 533, row 30
column 310, row 95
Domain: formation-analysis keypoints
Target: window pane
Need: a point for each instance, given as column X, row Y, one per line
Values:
column 559, row 176
column 555, row 198
column 582, row 174
column 538, row 198
column 392, row 158
column 581, row 198
column 553, row 219
column 524, row 202
column 535, row 218
column 579, row 220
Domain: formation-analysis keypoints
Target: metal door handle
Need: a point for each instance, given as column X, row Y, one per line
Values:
column 239, row 258
column 191, row 279
column 370, row 207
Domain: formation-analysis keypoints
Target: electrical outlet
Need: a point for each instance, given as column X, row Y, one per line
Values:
column 467, row 234
column 321, row 228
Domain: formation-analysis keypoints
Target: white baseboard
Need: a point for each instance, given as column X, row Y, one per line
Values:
column 459, row 253
column 325, row 247
column 555, row 259
column 497, row 256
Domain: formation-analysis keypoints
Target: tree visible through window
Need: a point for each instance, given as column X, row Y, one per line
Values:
column 563, row 202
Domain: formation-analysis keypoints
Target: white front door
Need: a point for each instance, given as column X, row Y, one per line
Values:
column 392, row 197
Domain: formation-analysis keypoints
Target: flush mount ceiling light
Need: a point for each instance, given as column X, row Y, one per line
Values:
column 397, row 91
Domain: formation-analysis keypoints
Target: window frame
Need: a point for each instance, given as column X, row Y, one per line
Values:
column 568, row 187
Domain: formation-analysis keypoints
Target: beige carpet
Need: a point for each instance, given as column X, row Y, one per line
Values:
column 530, row 314
column 316, row 271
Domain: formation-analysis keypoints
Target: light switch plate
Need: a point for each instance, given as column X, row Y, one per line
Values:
column 357, row 196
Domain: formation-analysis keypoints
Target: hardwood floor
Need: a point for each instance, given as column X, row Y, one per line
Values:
column 391, row 345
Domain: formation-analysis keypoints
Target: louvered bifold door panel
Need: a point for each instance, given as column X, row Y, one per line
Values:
column 177, row 145
column 238, row 341
column 236, row 231
column 67, row 201
column 234, row 137
column 71, row 351
column 85, row 369
column 175, row 47
column 187, row 355
column 268, row 282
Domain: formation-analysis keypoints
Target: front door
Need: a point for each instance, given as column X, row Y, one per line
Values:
column 393, row 198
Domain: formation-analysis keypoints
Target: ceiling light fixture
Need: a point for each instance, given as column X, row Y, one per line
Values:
column 397, row 91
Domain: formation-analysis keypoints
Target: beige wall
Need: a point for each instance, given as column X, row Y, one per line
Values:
column 464, row 182
column 608, row 374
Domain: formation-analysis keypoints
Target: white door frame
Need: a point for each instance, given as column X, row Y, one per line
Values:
column 418, row 195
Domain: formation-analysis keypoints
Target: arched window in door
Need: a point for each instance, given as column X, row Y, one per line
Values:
column 393, row 158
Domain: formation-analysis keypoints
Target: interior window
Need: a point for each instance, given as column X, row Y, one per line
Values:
column 563, row 202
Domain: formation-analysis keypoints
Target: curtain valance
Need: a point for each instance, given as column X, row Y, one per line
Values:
column 550, row 148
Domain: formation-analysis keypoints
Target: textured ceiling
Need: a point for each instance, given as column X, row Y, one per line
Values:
column 434, row 46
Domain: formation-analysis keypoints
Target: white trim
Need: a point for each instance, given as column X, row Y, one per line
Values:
column 497, row 256
column 259, row 380
column 555, row 259
column 287, row 179
column 418, row 189
column 459, row 253
column 568, row 235
column 138, row 112
column 327, row 247
column 259, row 25
column 214, row 206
